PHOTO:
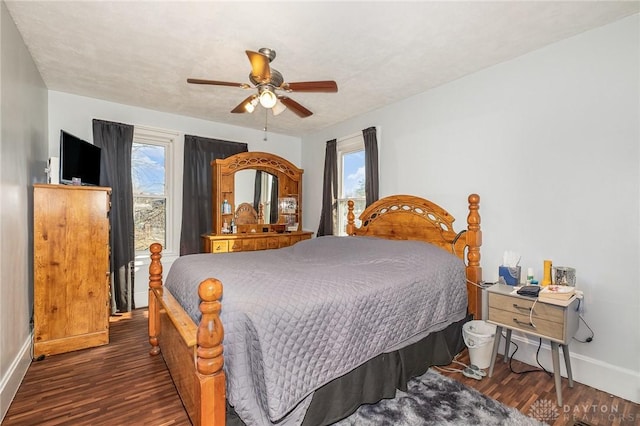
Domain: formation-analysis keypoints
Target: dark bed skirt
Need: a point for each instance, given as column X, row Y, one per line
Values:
column 379, row 377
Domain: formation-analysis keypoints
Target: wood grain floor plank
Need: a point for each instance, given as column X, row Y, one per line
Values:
column 528, row 391
column 120, row 384
column 116, row 384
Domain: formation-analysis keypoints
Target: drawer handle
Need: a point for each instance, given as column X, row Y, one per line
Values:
column 526, row 324
column 523, row 308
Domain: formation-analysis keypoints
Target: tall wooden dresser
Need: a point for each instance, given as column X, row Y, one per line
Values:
column 71, row 268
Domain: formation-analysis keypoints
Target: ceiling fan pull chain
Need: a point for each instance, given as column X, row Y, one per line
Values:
column 266, row 117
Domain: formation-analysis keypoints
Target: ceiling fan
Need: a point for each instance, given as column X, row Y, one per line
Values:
column 268, row 81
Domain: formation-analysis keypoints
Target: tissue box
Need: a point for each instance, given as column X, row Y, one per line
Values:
column 510, row 275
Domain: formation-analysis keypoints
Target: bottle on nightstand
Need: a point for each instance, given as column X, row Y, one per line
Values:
column 529, row 276
column 546, row 278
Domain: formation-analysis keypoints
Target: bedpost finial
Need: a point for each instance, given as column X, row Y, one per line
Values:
column 155, row 248
column 210, row 290
column 155, row 267
column 474, row 199
column 351, row 217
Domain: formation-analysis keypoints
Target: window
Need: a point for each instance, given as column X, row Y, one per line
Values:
column 152, row 198
column 351, row 180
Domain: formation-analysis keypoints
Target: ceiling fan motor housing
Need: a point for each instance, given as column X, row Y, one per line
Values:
column 269, row 53
column 275, row 79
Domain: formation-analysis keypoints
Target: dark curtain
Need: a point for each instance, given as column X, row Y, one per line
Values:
column 116, row 141
column 196, row 187
column 371, row 165
column 329, row 189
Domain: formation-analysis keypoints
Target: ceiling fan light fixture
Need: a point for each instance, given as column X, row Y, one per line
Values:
column 251, row 106
column 278, row 108
column 268, row 99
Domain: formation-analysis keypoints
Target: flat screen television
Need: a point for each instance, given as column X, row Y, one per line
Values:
column 78, row 159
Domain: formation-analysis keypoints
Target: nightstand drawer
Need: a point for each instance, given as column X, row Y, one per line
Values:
column 520, row 321
column 518, row 305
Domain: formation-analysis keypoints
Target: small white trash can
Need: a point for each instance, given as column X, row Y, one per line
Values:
column 479, row 337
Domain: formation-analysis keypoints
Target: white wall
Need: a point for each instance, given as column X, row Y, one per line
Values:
column 550, row 141
column 75, row 114
column 23, row 156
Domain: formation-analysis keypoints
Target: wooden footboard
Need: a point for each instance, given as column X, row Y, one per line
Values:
column 193, row 354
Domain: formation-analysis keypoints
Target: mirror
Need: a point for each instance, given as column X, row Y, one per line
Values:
column 245, row 187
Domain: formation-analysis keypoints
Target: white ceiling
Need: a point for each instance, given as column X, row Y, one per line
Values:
column 141, row 52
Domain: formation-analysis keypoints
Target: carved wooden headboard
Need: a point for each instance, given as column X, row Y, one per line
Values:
column 407, row 217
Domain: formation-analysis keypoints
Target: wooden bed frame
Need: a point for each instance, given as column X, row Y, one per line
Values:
column 193, row 352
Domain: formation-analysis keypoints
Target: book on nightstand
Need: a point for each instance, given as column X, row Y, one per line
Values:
column 557, row 292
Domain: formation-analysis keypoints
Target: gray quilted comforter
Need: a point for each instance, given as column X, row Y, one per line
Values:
column 298, row 317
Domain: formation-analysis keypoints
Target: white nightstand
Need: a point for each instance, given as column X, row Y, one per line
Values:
column 557, row 322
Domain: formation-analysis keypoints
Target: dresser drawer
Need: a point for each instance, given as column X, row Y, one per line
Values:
column 272, row 243
column 235, row 245
column 248, row 244
column 251, row 241
column 294, row 239
column 284, row 241
column 261, row 243
column 519, row 321
column 517, row 305
column 220, row 246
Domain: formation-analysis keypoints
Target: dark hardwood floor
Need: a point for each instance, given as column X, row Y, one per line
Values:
column 116, row 384
column 120, row 384
column 534, row 394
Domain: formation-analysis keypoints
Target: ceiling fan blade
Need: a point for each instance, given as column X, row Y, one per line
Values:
column 298, row 109
column 260, row 69
column 242, row 106
column 328, row 86
column 218, row 83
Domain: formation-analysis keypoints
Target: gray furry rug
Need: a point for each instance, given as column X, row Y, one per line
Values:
column 433, row 399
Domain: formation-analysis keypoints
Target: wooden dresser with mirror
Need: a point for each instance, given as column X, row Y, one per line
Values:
column 263, row 195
